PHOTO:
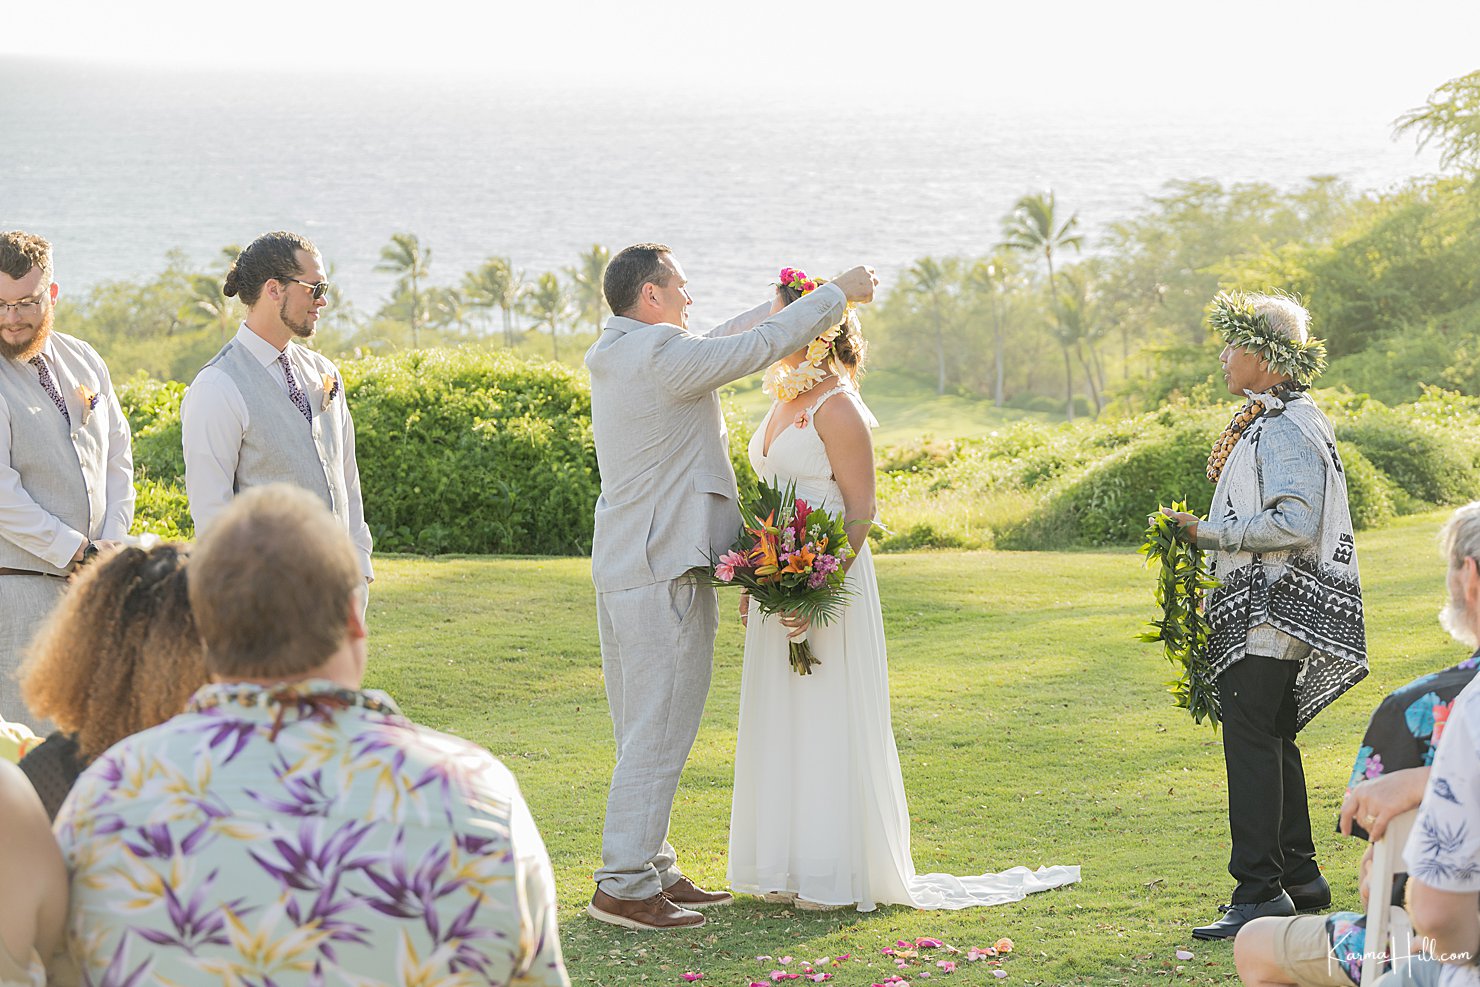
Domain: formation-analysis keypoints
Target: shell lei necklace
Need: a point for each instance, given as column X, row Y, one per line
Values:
column 788, row 383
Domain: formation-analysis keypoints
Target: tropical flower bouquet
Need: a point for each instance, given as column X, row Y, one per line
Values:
column 789, row 557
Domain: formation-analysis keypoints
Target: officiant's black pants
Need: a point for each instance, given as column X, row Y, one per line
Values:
column 1268, row 816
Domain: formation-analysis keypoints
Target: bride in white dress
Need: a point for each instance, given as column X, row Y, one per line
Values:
column 819, row 814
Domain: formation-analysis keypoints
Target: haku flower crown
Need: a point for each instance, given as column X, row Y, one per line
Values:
column 785, row 383
column 1234, row 317
column 797, row 280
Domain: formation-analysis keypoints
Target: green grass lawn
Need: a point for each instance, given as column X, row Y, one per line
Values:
column 907, row 409
column 1031, row 727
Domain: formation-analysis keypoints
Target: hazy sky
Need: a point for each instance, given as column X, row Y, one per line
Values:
column 1249, row 53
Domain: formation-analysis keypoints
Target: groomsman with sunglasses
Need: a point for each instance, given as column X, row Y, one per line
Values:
column 66, row 464
column 265, row 411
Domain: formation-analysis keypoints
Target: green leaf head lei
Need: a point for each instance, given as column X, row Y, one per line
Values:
column 1234, row 317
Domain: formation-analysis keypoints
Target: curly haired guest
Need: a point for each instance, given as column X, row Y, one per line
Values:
column 120, row 654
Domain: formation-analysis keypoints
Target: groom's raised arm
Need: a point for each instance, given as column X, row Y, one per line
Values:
column 694, row 365
column 743, row 322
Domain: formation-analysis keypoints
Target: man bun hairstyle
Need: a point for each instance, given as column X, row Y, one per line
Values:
column 22, row 252
column 271, row 583
column 271, row 255
column 633, row 267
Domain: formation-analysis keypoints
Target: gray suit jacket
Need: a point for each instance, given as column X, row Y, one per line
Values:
column 667, row 488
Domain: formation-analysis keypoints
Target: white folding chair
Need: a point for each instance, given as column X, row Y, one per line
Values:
column 1387, row 922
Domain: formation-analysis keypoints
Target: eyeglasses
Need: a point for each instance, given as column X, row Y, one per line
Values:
column 320, row 289
column 24, row 308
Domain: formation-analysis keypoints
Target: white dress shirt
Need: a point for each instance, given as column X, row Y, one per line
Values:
column 27, row 523
column 213, row 418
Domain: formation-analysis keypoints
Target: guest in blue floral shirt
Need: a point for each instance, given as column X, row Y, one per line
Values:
column 291, row 828
column 1392, row 767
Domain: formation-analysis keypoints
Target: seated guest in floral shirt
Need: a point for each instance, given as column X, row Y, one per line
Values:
column 1443, row 851
column 1389, row 776
column 119, row 654
column 291, row 827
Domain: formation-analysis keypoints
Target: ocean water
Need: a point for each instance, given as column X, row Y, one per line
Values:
column 117, row 165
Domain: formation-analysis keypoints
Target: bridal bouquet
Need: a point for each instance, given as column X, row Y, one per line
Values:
column 789, row 557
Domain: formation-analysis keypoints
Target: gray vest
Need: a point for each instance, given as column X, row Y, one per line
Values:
column 63, row 470
column 278, row 445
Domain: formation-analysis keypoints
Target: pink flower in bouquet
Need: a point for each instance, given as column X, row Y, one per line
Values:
column 799, row 521
column 817, row 580
column 728, row 563
column 826, row 564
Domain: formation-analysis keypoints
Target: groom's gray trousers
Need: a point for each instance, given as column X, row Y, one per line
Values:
column 657, row 652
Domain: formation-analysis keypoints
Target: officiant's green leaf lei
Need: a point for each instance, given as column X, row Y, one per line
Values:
column 1234, row 317
column 1183, row 630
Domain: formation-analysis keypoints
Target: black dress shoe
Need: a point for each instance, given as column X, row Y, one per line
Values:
column 1311, row 896
column 1235, row 917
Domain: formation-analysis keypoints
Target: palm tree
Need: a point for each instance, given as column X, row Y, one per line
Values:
column 1077, row 317
column 446, row 308
column 405, row 257
column 496, row 285
column 548, row 304
column 992, row 276
column 585, row 279
column 1034, row 227
column 929, row 279
column 207, row 306
column 1450, row 117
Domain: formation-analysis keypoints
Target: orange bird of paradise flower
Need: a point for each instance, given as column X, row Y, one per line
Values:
column 764, row 553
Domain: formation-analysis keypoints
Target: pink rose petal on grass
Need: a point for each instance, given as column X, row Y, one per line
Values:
column 784, row 960
column 949, row 966
column 1184, row 954
column 1000, row 974
column 928, row 943
column 691, row 977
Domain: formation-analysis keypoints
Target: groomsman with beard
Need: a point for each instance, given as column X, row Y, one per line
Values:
column 263, row 411
column 66, row 463
column 667, row 497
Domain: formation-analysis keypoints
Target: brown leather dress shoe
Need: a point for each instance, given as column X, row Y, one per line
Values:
column 656, row 912
column 686, row 894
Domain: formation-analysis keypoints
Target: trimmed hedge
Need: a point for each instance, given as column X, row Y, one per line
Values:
column 473, row 451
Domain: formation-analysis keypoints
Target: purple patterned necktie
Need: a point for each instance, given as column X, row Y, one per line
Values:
column 295, row 393
column 51, row 388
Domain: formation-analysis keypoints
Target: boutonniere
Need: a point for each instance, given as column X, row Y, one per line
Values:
column 331, row 391
column 89, row 400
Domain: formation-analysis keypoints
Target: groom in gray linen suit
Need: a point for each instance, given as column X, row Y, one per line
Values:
column 667, row 498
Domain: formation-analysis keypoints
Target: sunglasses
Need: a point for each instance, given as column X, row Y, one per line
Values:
column 320, row 289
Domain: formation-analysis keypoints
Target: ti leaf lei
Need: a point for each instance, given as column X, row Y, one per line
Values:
column 1183, row 629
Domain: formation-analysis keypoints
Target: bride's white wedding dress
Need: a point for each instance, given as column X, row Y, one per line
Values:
column 819, row 806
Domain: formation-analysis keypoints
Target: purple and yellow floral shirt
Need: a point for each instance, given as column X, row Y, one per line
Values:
column 274, row 838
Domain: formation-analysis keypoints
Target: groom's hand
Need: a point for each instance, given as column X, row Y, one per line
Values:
column 858, row 284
